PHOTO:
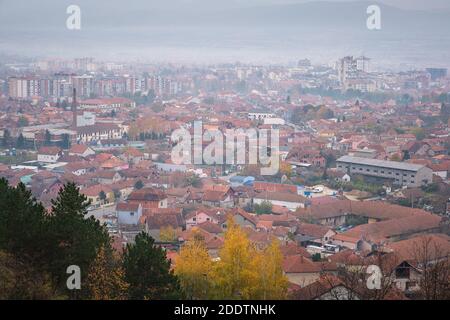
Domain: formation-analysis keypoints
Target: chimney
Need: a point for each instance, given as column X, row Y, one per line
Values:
column 74, row 109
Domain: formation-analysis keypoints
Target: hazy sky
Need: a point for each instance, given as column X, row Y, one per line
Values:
column 230, row 30
column 405, row 4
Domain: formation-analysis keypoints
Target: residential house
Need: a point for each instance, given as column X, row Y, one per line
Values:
column 411, row 255
column 326, row 288
column 200, row 216
column 79, row 168
column 318, row 234
column 49, row 154
column 122, row 189
column 149, row 198
column 81, row 150
column 300, row 270
column 217, row 198
column 156, row 222
column 245, row 219
column 132, row 155
column 108, row 176
column 93, row 193
column 129, row 213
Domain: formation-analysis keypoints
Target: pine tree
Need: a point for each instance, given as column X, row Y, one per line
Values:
column 65, row 143
column 102, row 196
column 20, row 142
column 148, row 271
column 75, row 239
column 23, row 245
column 48, row 138
column 22, row 222
column 6, row 138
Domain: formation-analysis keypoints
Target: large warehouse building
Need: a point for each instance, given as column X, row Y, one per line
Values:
column 400, row 173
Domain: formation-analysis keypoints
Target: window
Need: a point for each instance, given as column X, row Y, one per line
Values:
column 402, row 272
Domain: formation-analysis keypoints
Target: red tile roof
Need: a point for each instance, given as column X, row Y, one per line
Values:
column 78, row 148
column 147, row 194
column 49, row 150
column 124, row 206
column 300, row 264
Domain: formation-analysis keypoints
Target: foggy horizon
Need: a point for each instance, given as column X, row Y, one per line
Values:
column 199, row 31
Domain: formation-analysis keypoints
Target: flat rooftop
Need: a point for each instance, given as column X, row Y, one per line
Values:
column 381, row 163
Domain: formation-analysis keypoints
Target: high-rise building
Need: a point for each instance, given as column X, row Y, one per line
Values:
column 363, row 64
column 23, row 87
column 350, row 68
column 347, row 69
column 84, row 85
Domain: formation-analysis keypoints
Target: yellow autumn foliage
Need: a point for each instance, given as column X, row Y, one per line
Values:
column 192, row 267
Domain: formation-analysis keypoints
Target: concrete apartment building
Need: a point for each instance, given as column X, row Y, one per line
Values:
column 400, row 173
